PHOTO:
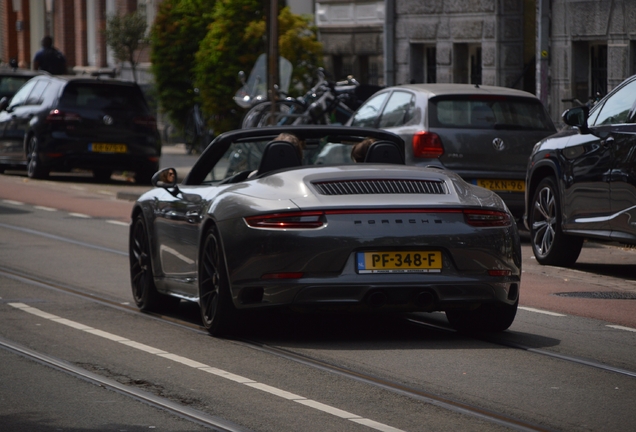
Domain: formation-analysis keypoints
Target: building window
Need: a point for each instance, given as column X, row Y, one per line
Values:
column 598, row 69
column 342, row 67
column 467, row 63
column 632, row 56
column 423, row 64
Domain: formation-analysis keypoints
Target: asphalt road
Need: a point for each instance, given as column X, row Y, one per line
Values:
column 76, row 356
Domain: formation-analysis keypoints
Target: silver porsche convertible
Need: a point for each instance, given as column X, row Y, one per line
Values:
column 261, row 222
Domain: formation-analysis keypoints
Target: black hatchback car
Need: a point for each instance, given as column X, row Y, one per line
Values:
column 59, row 123
column 582, row 181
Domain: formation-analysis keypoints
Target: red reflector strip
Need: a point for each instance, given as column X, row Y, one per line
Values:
column 487, row 218
column 289, row 275
column 499, row 272
column 55, row 155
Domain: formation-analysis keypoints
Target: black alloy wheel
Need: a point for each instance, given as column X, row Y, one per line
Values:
column 549, row 244
column 489, row 317
column 144, row 291
column 34, row 165
column 218, row 313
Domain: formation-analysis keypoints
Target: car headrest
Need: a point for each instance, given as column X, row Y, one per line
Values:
column 384, row 152
column 278, row 155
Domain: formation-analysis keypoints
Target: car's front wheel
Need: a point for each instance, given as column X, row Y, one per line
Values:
column 144, row 291
column 35, row 169
column 488, row 317
column 549, row 244
column 218, row 313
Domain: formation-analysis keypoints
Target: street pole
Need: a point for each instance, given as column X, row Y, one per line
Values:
column 272, row 57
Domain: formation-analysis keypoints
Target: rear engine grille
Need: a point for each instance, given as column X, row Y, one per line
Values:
column 364, row 187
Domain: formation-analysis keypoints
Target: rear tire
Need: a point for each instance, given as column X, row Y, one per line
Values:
column 488, row 317
column 102, row 175
column 144, row 175
column 144, row 291
column 549, row 244
column 218, row 314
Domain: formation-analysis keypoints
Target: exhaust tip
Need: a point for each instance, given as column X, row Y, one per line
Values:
column 424, row 299
column 377, row 298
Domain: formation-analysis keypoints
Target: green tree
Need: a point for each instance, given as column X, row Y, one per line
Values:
column 235, row 39
column 222, row 54
column 179, row 27
column 125, row 35
column 298, row 43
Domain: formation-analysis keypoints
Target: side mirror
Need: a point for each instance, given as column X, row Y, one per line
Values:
column 577, row 117
column 4, row 103
column 165, row 178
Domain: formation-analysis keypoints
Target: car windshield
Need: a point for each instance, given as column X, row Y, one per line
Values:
column 488, row 112
column 9, row 85
column 245, row 156
column 103, row 96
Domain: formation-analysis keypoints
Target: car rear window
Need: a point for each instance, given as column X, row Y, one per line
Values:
column 488, row 112
column 103, row 96
column 9, row 85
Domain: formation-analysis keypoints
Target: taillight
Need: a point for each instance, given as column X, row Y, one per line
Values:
column 58, row 116
column 427, row 145
column 294, row 220
column 487, row 218
column 147, row 121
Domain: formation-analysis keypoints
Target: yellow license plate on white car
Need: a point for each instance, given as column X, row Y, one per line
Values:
column 107, row 148
column 399, row 262
column 503, row 185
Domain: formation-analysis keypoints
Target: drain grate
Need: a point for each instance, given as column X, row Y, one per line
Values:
column 605, row 295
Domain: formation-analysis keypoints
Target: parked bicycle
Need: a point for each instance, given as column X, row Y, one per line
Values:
column 325, row 103
column 591, row 101
column 196, row 133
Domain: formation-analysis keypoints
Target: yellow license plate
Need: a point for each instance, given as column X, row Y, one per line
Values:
column 107, row 148
column 503, row 185
column 400, row 262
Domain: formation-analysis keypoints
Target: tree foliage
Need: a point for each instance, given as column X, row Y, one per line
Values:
column 298, row 43
column 125, row 34
column 179, row 27
column 222, row 54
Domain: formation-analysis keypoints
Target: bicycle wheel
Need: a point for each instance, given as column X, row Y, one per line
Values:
column 191, row 137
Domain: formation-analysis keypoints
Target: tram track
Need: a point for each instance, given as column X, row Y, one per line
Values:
column 375, row 381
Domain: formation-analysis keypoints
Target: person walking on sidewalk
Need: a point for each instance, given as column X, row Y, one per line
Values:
column 49, row 58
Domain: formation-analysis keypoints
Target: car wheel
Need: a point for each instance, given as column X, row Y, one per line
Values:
column 35, row 170
column 489, row 317
column 102, row 175
column 217, row 310
column 549, row 244
column 144, row 291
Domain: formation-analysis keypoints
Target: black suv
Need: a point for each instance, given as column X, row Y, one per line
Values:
column 582, row 181
column 58, row 123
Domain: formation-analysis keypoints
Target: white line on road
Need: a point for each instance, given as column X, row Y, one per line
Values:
column 116, row 222
column 79, row 215
column 541, row 311
column 622, row 328
column 205, row 368
column 49, row 209
column 18, row 203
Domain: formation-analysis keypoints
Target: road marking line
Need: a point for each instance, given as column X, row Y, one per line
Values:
column 622, row 328
column 18, row 203
column 79, row 215
column 203, row 367
column 50, row 209
column 541, row 311
column 116, row 222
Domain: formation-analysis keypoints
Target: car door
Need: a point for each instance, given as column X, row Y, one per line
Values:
column 592, row 166
column 620, row 113
column 178, row 214
column 13, row 124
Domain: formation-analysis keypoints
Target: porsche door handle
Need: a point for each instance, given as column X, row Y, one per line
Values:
column 608, row 141
column 192, row 216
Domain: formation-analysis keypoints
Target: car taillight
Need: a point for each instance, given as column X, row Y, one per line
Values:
column 148, row 121
column 58, row 116
column 294, row 220
column 427, row 145
column 487, row 218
